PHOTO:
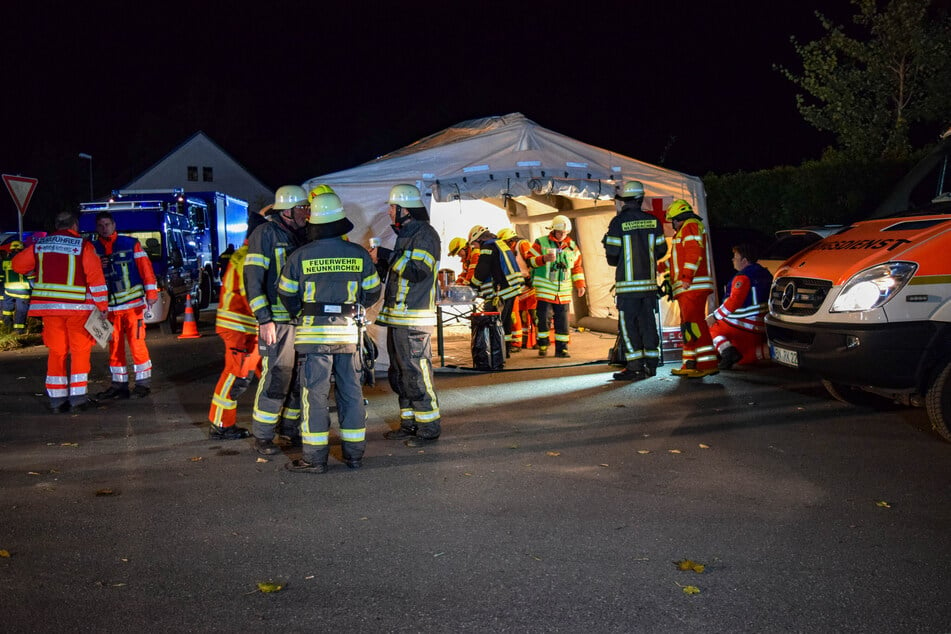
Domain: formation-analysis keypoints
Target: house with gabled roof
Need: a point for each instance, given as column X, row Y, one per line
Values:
column 200, row 164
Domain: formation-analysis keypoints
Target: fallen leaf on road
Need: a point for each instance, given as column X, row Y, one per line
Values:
column 689, row 564
column 552, row 453
column 106, row 492
column 69, row 444
column 270, row 586
column 673, row 451
column 262, row 460
column 883, row 504
column 196, row 459
column 691, row 590
column 5, row 554
column 703, row 446
column 604, row 464
column 643, row 451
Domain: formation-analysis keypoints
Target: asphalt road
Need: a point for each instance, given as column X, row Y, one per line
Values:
column 557, row 500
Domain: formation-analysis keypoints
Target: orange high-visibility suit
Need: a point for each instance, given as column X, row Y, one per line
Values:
column 688, row 266
column 67, row 269
column 131, row 283
column 238, row 328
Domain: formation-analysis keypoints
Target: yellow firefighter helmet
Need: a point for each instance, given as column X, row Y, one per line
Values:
column 456, row 245
column 507, row 234
column 320, row 189
column 678, row 208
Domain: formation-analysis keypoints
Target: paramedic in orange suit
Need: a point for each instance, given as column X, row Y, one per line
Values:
column 69, row 286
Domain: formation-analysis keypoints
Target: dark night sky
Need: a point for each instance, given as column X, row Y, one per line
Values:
column 295, row 89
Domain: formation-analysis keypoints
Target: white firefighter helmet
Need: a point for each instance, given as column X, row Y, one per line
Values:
column 326, row 208
column 560, row 223
column 289, row 196
column 406, row 196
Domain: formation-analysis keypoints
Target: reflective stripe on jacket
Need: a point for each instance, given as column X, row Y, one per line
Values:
column 234, row 313
column 497, row 273
column 747, row 304
column 321, row 284
column 68, row 274
column 633, row 245
column 268, row 249
column 553, row 281
column 689, row 260
column 409, row 299
column 130, row 277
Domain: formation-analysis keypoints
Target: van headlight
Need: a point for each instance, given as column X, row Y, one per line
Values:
column 873, row 287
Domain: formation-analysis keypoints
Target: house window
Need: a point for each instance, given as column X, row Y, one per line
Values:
column 207, row 174
column 193, row 173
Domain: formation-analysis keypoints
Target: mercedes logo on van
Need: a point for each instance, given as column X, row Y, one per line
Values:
column 789, row 296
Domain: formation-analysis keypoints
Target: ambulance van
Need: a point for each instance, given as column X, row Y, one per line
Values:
column 868, row 309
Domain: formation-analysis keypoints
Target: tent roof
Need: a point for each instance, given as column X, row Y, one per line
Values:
column 510, row 156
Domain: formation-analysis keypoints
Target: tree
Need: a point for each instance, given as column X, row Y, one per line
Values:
column 872, row 90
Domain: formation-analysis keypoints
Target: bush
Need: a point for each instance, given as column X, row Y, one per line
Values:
column 815, row 193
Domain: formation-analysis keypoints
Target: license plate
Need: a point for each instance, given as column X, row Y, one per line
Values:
column 784, row 356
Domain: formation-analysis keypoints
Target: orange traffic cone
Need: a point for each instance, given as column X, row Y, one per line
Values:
column 189, row 327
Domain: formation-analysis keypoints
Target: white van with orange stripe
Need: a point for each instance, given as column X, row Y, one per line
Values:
column 868, row 309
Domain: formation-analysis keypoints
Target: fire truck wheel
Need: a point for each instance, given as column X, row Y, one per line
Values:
column 204, row 290
column 170, row 324
column 856, row 396
column 938, row 403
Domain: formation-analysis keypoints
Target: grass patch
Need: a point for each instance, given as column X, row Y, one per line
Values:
column 31, row 336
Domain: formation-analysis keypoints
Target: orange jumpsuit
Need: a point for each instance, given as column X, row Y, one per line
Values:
column 131, row 282
column 66, row 268
column 688, row 264
column 238, row 328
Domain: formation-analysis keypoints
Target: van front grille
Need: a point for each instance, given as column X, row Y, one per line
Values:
column 797, row 296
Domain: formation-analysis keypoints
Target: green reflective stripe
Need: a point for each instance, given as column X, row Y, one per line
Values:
column 353, row 435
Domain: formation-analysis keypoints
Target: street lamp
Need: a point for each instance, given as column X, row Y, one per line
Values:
column 88, row 157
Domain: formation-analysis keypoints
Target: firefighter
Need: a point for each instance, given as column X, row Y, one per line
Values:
column 556, row 269
column 277, row 401
column 738, row 325
column 132, row 285
column 69, row 285
column 633, row 245
column 325, row 285
column 458, row 247
column 15, row 288
column 409, row 312
column 524, row 314
column 688, row 272
column 236, row 325
column 498, row 278
column 472, row 258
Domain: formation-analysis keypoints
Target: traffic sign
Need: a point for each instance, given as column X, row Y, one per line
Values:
column 21, row 189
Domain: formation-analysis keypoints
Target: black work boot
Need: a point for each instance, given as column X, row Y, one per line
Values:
column 729, row 357
column 266, row 446
column 114, row 391
column 402, row 433
column 228, row 433
column 630, row 374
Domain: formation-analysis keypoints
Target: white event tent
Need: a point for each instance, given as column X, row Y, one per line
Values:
column 509, row 171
